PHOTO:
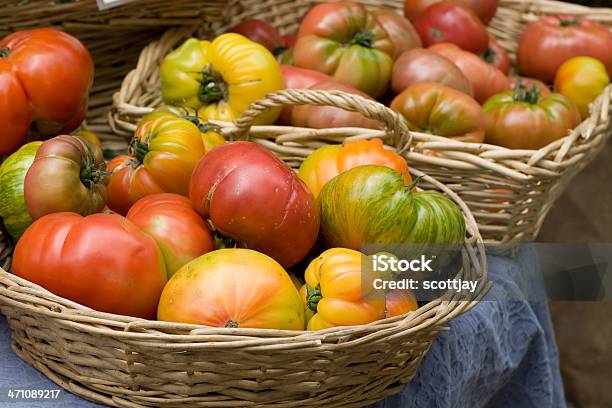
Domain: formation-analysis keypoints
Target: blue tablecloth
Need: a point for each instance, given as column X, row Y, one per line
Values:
column 500, row 354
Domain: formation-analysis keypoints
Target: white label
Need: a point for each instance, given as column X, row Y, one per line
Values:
column 106, row 4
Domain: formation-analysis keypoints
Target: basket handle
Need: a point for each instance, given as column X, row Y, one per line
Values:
column 395, row 124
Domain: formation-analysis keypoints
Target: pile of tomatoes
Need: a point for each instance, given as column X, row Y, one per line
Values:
column 186, row 227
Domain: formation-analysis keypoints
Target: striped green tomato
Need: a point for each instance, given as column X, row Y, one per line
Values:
column 369, row 209
column 13, row 170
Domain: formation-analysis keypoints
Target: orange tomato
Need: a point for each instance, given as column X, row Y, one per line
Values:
column 329, row 161
column 582, row 80
column 233, row 288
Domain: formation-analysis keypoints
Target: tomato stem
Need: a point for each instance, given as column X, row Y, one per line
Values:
column 203, row 126
column 232, row 324
column 522, row 94
column 489, row 55
column 414, row 183
column 313, row 296
column 212, row 87
column 569, row 22
column 138, row 150
column 279, row 50
column 363, row 38
column 5, row 52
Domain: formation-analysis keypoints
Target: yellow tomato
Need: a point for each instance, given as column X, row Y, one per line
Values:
column 89, row 136
column 581, row 80
column 220, row 78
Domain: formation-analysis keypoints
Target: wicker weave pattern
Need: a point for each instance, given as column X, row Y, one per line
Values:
column 130, row 362
column 114, row 37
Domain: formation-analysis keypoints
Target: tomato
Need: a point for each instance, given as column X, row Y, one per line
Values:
column 89, row 136
column 251, row 196
column 497, row 56
column 549, row 42
column 329, row 161
column 13, row 210
column 45, row 77
column 440, row 110
column 290, row 39
column 346, row 41
column 485, row 9
column 68, row 174
column 400, row 30
column 486, row 80
column 369, row 208
column 421, row 65
column 266, row 35
column 340, row 292
column 452, row 22
column 233, row 288
column 220, row 78
column 298, row 78
column 582, row 80
column 323, row 117
column 180, row 232
column 528, row 83
column 92, row 261
column 162, row 155
column 523, row 119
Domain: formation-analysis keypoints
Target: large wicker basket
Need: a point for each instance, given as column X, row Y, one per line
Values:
column 509, row 191
column 130, row 362
column 114, row 36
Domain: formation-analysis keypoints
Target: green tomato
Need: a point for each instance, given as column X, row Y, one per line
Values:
column 13, row 170
column 369, row 209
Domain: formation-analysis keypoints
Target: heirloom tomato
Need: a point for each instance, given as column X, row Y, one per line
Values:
column 266, row 35
column 421, row 65
column 45, row 77
column 549, row 42
column 323, row 117
column 346, row 41
column 440, row 110
column 484, row 9
column 298, row 78
column 220, row 78
column 165, row 149
column 13, row 210
column 233, row 288
column 68, row 174
column 339, row 291
column 400, row 30
column 452, row 22
column 251, row 196
column 329, row 161
column 180, row 232
column 370, row 209
column 101, row 261
column 523, row 119
column 486, row 79
column 528, row 83
column 497, row 56
column 582, row 80
column 89, row 136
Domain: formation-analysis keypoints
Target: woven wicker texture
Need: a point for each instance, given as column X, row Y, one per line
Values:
column 114, row 36
column 130, row 362
column 509, row 191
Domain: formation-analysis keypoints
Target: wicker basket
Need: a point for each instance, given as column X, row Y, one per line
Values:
column 509, row 191
column 114, row 36
column 130, row 362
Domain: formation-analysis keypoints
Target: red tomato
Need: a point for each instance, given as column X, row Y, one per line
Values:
column 421, row 65
column 298, row 78
column 400, row 30
column 497, row 56
column 346, row 41
column 45, row 77
column 290, row 39
column 253, row 197
column 323, row 117
column 452, row 22
column 552, row 40
column 528, row 83
column 102, row 261
column 485, row 9
column 262, row 33
column 485, row 79
column 180, row 232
